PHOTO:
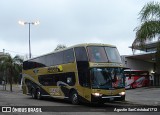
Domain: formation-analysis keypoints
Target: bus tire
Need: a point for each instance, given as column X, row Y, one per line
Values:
column 38, row 94
column 33, row 94
column 74, row 98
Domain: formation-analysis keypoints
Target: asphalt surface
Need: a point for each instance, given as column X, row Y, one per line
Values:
column 138, row 96
column 144, row 96
column 134, row 97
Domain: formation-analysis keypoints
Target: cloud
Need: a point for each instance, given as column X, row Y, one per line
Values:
column 68, row 22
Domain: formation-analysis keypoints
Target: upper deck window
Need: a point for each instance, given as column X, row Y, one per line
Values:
column 81, row 54
column 103, row 54
column 68, row 56
column 113, row 54
column 97, row 54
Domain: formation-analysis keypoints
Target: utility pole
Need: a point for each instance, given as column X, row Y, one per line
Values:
column 29, row 23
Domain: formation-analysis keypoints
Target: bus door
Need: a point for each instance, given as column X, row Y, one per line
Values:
column 87, row 89
column 83, row 73
column 85, row 85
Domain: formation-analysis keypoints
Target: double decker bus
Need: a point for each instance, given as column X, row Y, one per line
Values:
column 90, row 73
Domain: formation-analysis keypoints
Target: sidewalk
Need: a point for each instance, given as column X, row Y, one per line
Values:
column 144, row 96
column 15, row 88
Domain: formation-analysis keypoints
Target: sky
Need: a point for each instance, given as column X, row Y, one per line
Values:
column 67, row 22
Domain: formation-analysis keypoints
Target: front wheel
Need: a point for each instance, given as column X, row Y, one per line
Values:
column 74, row 98
column 39, row 95
column 33, row 93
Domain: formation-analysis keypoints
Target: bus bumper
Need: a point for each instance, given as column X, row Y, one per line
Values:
column 107, row 98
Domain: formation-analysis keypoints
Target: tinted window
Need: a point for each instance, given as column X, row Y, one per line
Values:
column 47, row 80
column 81, row 60
column 38, row 62
column 105, row 78
column 97, row 54
column 57, row 79
column 49, row 60
column 81, row 54
column 113, row 54
column 42, row 60
column 58, row 58
column 68, row 56
column 31, row 65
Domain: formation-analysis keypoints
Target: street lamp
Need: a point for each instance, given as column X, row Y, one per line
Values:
column 29, row 23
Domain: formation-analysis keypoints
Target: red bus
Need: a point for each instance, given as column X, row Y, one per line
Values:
column 136, row 78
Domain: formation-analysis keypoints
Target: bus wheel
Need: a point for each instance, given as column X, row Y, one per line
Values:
column 39, row 96
column 74, row 98
column 34, row 94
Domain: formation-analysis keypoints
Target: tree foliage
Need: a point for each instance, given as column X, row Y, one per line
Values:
column 12, row 67
column 149, row 28
column 150, row 24
column 60, row 46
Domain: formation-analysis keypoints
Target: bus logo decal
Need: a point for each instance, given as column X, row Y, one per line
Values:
column 55, row 69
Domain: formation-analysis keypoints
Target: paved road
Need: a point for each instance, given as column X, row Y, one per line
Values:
column 134, row 97
column 144, row 96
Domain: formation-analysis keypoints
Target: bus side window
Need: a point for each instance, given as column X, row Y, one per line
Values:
column 58, row 58
column 68, row 56
column 81, row 54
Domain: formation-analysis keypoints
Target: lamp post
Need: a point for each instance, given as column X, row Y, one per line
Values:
column 29, row 23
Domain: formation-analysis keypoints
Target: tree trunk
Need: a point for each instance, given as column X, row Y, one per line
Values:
column 10, row 79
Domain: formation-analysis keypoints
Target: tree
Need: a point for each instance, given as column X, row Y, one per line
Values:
column 149, row 29
column 11, row 66
column 150, row 24
column 60, row 46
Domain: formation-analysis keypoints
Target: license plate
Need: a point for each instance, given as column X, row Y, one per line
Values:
column 111, row 99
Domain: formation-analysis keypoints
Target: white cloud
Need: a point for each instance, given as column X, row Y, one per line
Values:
column 68, row 22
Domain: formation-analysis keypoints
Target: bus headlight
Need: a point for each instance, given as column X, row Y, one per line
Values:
column 122, row 93
column 97, row 94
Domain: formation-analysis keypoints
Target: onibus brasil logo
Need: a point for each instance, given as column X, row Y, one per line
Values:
column 21, row 109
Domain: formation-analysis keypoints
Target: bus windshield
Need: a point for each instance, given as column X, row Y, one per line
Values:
column 103, row 54
column 105, row 78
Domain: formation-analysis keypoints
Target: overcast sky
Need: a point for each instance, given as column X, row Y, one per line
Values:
column 67, row 22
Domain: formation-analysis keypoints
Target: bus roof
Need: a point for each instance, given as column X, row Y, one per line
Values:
column 93, row 44
column 78, row 45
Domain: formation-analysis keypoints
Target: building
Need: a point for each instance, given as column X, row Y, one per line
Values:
column 145, row 60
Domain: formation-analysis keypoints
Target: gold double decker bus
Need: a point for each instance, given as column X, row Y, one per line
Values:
column 90, row 73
